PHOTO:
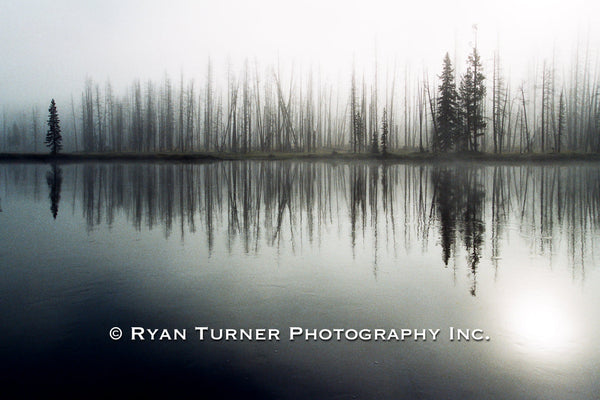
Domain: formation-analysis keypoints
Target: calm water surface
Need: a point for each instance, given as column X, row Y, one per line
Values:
column 512, row 250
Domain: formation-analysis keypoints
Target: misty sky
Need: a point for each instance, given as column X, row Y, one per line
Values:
column 48, row 47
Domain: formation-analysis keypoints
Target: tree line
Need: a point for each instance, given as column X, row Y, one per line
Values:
column 256, row 109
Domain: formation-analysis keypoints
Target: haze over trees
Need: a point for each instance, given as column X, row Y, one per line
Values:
column 383, row 109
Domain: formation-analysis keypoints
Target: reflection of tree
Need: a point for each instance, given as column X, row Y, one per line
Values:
column 500, row 206
column 208, row 208
column 54, row 180
column 286, row 203
column 387, row 200
column 373, row 205
column 473, row 226
column 281, row 200
column 446, row 200
column 358, row 194
column 459, row 199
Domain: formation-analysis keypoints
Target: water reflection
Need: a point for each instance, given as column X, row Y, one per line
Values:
column 508, row 249
column 542, row 323
column 469, row 211
column 54, row 180
column 459, row 196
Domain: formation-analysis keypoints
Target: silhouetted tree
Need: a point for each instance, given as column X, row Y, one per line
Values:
column 373, row 117
column 208, row 109
column 500, row 105
column 355, row 117
column 374, row 142
column 384, row 132
column 524, row 120
column 472, row 99
column 447, row 109
column 87, row 114
column 53, row 137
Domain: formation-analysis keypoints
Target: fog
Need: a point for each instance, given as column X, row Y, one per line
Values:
column 48, row 48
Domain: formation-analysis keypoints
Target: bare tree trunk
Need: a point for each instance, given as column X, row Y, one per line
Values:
column 74, row 122
column 525, row 119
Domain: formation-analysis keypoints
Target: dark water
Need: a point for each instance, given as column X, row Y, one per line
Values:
column 511, row 250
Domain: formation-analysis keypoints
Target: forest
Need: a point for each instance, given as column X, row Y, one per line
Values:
column 380, row 109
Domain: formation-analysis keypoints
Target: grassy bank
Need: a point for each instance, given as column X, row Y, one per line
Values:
column 343, row 156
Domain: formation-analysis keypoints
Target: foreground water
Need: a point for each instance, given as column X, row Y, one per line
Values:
column 507, row 253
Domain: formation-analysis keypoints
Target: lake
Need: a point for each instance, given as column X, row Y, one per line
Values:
column 394, row 281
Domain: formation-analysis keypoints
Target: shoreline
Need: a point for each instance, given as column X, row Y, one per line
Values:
column 321, row 156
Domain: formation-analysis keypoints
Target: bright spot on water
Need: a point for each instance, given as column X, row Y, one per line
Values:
column 542, row 323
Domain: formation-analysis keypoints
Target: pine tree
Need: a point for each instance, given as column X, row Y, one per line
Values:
column 375, row 141
column 53, row 137
column 472, row 99
column 384, row 132
column 447, row 109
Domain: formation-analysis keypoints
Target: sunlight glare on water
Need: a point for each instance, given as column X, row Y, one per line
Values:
column 542, row 324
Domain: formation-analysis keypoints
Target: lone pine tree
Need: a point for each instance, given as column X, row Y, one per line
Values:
column 447, row 109
column 53, row 137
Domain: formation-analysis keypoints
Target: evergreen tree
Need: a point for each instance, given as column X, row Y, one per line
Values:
column 384, row 132
column 447, row 109
column 375, row 142
column 472, row 98
column 53, row 137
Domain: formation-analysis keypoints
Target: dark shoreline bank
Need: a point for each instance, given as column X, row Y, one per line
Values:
column 332, row 156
